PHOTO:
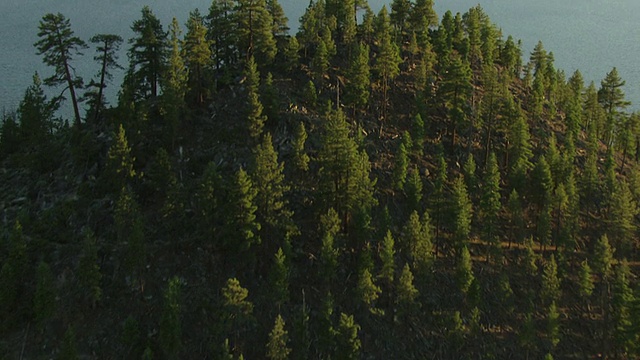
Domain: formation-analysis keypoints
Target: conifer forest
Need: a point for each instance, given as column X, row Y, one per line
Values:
column 392, row 184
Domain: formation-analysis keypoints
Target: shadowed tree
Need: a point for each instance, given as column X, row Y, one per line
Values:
column 58, row 46
column 108, row 46
column 148, row 52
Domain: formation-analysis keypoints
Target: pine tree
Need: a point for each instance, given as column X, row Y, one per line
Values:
column 119, row 170
column 278, row 337
column 490, row 204
column 174, row 85
column 387, row 254
column 550, row 283
column 268, row 176
column 602, row 257
column 516, row 218
column 553, row 325
column 585, row 283
column 130, row 232
column 58, row 45
column 36, row 116
column 255, row 31
column 320, row 63
column 242, row 226
column 147, row 55
column 108, row 46
column 464, row 271
column 279, row 280
column 328, row 258
column 237, row 312
column 401, row 163
column 89, row 274
column 255, row 118
column 358, row 78
column 611, row 97
column 368, row 292
column 300, row 157
column 622, row 221
column 406, row 292
column 462, row 213
column 68, row 348
column 348, row 343
column 413, row 189
column 620, row 309
column 291, row 54
column 197, row 50
column 387, row 62
column 223, row 35
column 44, row 299
column 170, row 324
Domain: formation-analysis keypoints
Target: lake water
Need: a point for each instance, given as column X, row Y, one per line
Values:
column 590, row 35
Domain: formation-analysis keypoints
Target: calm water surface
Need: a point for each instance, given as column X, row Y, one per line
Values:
column 590, row 35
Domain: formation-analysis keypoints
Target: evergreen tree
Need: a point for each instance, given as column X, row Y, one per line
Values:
column 413, row 189
column 255, row 118
column 623, row 212
column 89, row 274
column 278, row 337
column 401, row 164
column 147, row 55
column 345, row 182
column 464, row 271
column 358, row 78
column 611, row 97
column 516, row 218
column 490, row 204
column 68, row 348
column 268, row 177
column 300, row 157
column 119, row 170
column 291, row 54
column 130, row 232
column 170, row 325
column 197, row 50
column 44, row 299
column 406, row 292
column 223, row 35
column 175, row 84
column 387, row 62
column 387, row 255
column 255, row 31
column 553, row 325
column 58, row 45
column 368, row 292
column 602, row 257
column 462, row 213
column 620, row 310
column 348, row 343
column 237, row 312
column 320, row 63
column 243, row 227
column 550, row 283
column 108, row 46
column 279, row 280
column 36, row 116
column 330, row 227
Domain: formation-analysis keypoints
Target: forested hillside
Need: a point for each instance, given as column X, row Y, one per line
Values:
column 382, row 185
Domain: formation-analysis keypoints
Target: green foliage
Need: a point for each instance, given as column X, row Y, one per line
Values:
column 119, row 170
column 603, row 257
column 171, row 324
column 553, row 325
column 300, row 157
column 400, row 167
column 68, row 347
column 413, row 189
column 462, row 213
column 387, row 254
column 348, row 343
column 550, row 283
column 357, row 88
column 44, row 299
column 368, row 292
column 255, row 30
column 147, row 54
column 406, row 292
column 243, row 226
column 279, row 279
column 585, row 281
column 255, row 118
column 464, row 271
column 277, row 346
column 58, row 47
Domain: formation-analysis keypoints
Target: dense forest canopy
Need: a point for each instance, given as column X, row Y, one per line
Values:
column 380, row 185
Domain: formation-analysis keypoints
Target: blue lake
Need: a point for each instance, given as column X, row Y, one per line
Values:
column 590, row 35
